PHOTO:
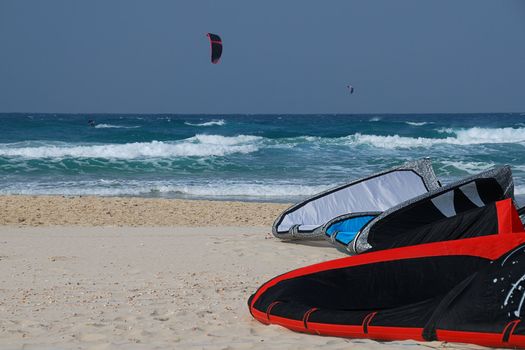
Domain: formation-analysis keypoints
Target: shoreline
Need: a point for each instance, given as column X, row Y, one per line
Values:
column 42, row 210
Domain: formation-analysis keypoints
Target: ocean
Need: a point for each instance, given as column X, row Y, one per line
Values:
column 277, row 158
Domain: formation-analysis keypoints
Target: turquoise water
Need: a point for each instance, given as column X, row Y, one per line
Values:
column 244, row 157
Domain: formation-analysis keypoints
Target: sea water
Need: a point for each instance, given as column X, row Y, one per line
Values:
column 279, row 158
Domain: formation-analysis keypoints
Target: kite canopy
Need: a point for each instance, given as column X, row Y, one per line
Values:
column 403, row 224
column 216, row 47
column 364, row 198
column 461, row 290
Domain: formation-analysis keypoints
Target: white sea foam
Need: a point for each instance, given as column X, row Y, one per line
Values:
column 202, row 145
column 445, row 131
column 111, row 126
column 375, row 119
column 472, row 136
column 418, row 123
column 244, row 189
column 219, row 122
column 196, row 146
column 145, row 188
column 491, row 135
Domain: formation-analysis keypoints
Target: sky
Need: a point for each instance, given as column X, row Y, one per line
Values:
column 293, row 56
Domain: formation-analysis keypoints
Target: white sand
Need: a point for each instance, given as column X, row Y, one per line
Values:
column 150, row 288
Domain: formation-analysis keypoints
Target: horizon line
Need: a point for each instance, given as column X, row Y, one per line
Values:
column 262, row 114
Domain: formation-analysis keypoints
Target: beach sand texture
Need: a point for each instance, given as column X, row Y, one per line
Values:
column 129, row 211
column 150, row 287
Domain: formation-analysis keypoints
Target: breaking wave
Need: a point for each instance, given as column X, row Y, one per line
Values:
column 202, row 145
column 471, row 136
column 219, row 122
column 196, row 146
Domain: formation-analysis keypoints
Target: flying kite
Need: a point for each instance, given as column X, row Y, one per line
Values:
column 216, row 47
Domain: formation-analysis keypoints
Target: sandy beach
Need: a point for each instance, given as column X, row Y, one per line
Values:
column 129, row 211
column 171, row 287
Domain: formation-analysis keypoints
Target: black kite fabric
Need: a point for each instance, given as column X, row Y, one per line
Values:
column 216, row 47
column 465, row 288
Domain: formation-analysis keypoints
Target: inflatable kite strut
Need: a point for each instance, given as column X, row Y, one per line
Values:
column 466, row 287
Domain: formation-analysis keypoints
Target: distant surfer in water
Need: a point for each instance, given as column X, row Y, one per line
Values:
column 91, row 122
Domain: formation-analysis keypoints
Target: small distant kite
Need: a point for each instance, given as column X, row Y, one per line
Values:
column 216, row 47
column 351, row 88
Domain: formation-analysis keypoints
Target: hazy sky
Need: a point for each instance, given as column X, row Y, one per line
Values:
column 279, row 56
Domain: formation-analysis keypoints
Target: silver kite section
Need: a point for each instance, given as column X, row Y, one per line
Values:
column 374, row 193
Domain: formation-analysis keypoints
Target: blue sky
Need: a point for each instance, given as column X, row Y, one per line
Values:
column 403, row 56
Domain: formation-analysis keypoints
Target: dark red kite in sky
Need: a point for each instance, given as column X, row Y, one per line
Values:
column 216, row 47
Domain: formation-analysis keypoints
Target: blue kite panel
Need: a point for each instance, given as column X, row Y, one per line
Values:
column 347, row 229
